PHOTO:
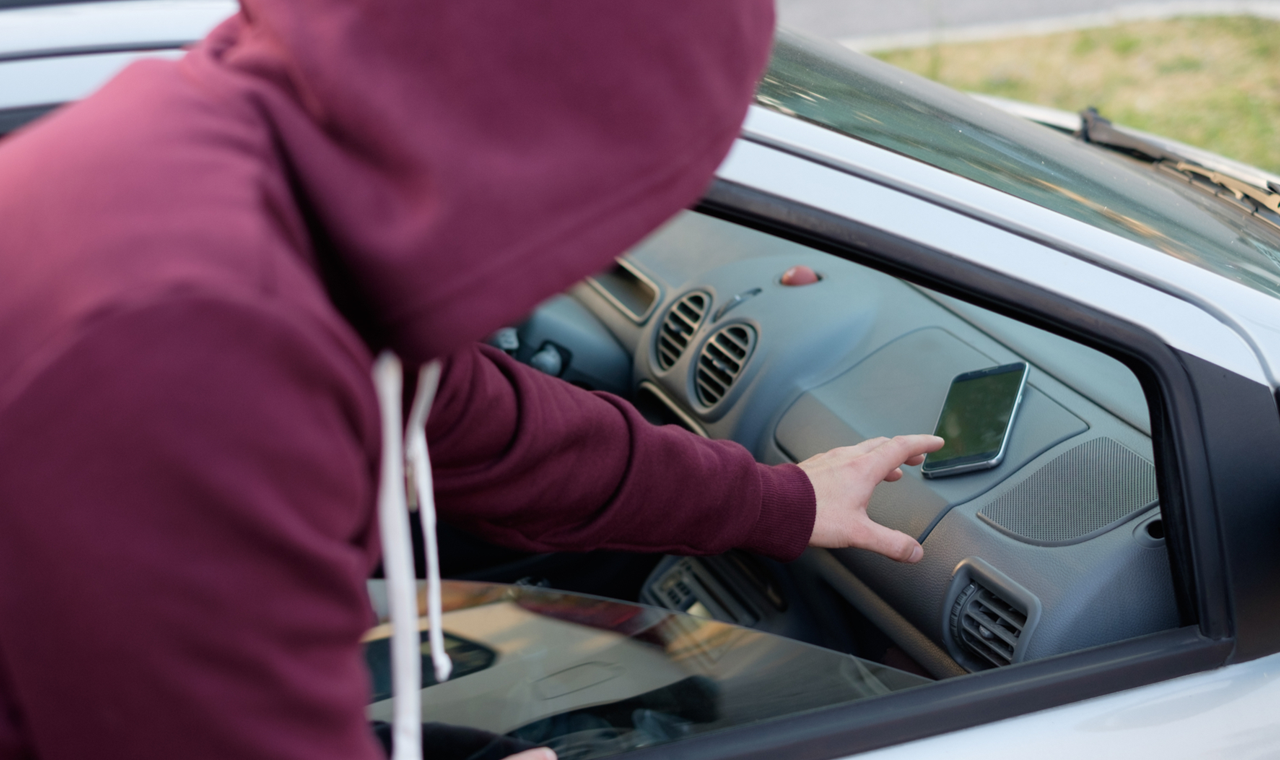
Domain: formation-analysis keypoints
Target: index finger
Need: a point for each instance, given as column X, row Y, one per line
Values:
column 900, row 449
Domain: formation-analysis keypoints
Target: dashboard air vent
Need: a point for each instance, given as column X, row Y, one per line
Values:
column 679, row 326
column 987, row 625
column 722, row 361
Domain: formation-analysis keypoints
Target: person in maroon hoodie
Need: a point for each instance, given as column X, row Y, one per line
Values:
column 198, row 265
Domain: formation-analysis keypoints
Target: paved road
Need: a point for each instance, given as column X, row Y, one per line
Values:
column 853, row 19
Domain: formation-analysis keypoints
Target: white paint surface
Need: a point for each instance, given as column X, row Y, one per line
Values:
column 42, row 29
column 44, row 81
column 1224, row 714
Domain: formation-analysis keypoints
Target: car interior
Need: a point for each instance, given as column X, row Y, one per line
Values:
column 1057, row 548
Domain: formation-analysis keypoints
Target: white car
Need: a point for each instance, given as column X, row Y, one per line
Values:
column 1106, row 588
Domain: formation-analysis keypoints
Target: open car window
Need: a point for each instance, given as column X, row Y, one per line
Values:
column 1063, row 536
column 1057, row 549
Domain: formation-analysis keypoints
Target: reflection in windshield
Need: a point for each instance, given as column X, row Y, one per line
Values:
column 591, row 677
column 873, row 101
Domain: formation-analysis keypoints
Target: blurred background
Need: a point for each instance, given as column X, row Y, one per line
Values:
column 1205, row 73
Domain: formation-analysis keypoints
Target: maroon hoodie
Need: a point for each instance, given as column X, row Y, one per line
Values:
column 196, row 266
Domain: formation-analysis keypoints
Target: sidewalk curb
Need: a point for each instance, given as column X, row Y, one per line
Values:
column 1269, row 9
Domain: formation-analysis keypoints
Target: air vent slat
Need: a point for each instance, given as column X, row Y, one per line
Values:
column 682, row 321
column 730, row 363
column 987, row 625
column 976, row 639
column 994, row 654
column 992, row 629
column 677, row 327
column 732, row 344
column 1007, row 615
column 722, row 360
column 995, row 658
column 711, row 381
column 708, row 385
column 722, row 373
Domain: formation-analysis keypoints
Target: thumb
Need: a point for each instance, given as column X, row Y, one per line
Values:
column 894, row 544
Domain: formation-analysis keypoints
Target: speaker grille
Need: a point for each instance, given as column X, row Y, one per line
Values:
column 1082, row 491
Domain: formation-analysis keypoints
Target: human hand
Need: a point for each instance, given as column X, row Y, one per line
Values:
column 537, row 753
column 843, row 480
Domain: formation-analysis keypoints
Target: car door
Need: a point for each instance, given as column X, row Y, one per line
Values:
column 51, row 54
column 1214, row 419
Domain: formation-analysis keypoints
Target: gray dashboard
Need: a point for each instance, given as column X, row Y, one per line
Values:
column 1060, row 545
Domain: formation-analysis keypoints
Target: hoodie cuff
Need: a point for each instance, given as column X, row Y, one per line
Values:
column 788, row 507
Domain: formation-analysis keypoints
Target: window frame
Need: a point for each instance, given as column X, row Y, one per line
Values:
column 1176, row 383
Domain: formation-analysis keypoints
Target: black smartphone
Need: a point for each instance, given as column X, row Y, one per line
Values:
column 976, row 419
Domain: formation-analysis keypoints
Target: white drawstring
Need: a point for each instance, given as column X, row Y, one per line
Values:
column 420, row 465
column 397, row 549
column 397, row 566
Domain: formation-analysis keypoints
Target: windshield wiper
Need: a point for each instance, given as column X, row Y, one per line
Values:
column 1269, row 201
column 1099, row 131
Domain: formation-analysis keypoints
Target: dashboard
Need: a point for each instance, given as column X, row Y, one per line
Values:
column 1058, row 548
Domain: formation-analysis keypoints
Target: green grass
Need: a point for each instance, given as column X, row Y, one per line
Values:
column 1211, row 82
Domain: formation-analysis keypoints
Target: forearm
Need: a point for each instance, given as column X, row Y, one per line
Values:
column 531, row 462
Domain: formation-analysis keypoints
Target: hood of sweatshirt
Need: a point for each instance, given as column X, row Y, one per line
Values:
column 456, row 167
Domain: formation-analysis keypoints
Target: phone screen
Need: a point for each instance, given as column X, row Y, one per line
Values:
column 976, row 419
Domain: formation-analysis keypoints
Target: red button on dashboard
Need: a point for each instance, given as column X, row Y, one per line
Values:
column 799, row 275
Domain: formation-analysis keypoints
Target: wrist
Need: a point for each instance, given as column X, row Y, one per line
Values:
column 788, row 509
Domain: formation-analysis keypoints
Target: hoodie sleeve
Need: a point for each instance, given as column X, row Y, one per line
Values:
column 534, row 463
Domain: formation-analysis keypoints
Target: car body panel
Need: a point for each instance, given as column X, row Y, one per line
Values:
column 52, row 54
column 1179, row 322
column 58, row 79
column 135, row 25
column 1225, row 713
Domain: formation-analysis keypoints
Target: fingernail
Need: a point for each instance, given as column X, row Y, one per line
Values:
column 916, row 554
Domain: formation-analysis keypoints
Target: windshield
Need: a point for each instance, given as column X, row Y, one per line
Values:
column 593, row 677
column 881, row 104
